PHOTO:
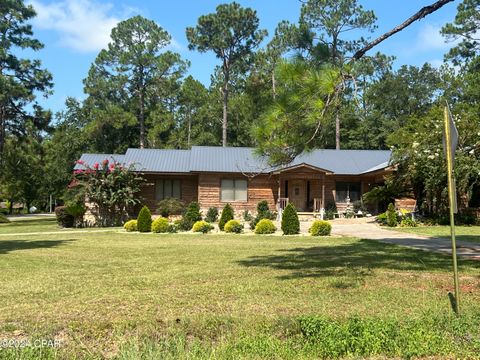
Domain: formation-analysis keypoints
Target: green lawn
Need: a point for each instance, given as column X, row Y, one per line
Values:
column 29, row 225
column 114, row 294
column 465, row 233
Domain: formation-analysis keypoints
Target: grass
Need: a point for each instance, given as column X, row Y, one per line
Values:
column 123, row 295
column 28, row 225
column 35, row 225
column 464, row 233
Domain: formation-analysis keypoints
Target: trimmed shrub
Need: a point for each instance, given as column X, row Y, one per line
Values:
column 130, row 226
column 247, row 216
column 320, row 228
column 64, row 219
column 227, row 215
column 212, row 215
column 263, row 212
column 160, row 225
column 3, row 219
column 144, row 220
column 172, row 228
column 265, row 226
column 202, row 226
column 170, row 206
column 330, row 210
column 290, row 222
column 391, row 216
column 233, row 226
column 190, row 216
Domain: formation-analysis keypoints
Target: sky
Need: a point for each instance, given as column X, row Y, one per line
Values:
column 74, row 31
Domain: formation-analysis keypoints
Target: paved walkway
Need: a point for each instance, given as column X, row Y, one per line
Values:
column 367, row 229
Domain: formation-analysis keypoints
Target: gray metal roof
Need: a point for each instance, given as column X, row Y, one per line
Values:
column 91, row 159
column 244, row 160
column 159, row 160
column 228, row 159
column 346, row 162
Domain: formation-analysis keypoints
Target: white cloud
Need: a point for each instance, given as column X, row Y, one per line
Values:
column 429, row 38
column 83, row 25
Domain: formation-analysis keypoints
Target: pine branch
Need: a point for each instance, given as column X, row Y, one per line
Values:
column 417, row 16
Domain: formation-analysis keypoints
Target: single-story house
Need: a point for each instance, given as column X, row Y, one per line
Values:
column 215, row 176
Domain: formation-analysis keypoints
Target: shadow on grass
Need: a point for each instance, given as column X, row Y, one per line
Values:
column 352, row 260
column 7, row 246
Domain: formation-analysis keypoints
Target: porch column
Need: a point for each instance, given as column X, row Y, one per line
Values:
column 323, row 190
column 279, row 193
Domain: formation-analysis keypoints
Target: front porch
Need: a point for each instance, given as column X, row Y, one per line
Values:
column 313, row 191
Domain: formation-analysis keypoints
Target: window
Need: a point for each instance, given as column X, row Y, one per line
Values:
column 168, row 188
column 233, row 190
column 346, row 190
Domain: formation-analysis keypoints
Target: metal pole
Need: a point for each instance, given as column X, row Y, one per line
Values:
column 451, row 198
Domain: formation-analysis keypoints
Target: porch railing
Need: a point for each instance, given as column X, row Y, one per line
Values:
column 282, row 204
column 317, row 205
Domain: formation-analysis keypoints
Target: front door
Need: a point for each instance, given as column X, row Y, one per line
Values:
column 297, row 194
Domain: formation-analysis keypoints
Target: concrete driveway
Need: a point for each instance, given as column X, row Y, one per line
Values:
column 368, row 229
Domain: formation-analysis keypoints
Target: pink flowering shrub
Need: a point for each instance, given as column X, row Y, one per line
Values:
column 111, row 187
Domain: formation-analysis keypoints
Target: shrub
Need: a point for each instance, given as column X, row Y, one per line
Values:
column 190, row 216
column 265, row 226
column 172, row 228
column 144, row 220
column 227, row 215
column 202, row 226
column 290, row 222
column 391, row 216
column 233, row 226
column 263, row 212
column 64, row 219
column 382, row 218
column 408, row 222
column 170, row 206
column 3, row 219
column 330, row 210
column 247, row 216
column 320, row 228
column 130, row 226
column 75, row 209
column 160, row 225
column 212, row 215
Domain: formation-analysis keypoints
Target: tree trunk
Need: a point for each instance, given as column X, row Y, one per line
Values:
column 225, row 111
column 274, row 85
column 141, row 119
column 189, row 127
column 2, row 131
column 337, row 131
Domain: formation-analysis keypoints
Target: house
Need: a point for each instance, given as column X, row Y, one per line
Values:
column 214, row 176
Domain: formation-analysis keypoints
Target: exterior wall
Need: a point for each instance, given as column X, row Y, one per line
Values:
column 260, row 188
column 189, row 187
column 205, row 188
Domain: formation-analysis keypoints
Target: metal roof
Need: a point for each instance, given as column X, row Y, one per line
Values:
column 227, row 159
column 159, row 160
column 244, row 160
column 91, row 159
column 346, row 162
